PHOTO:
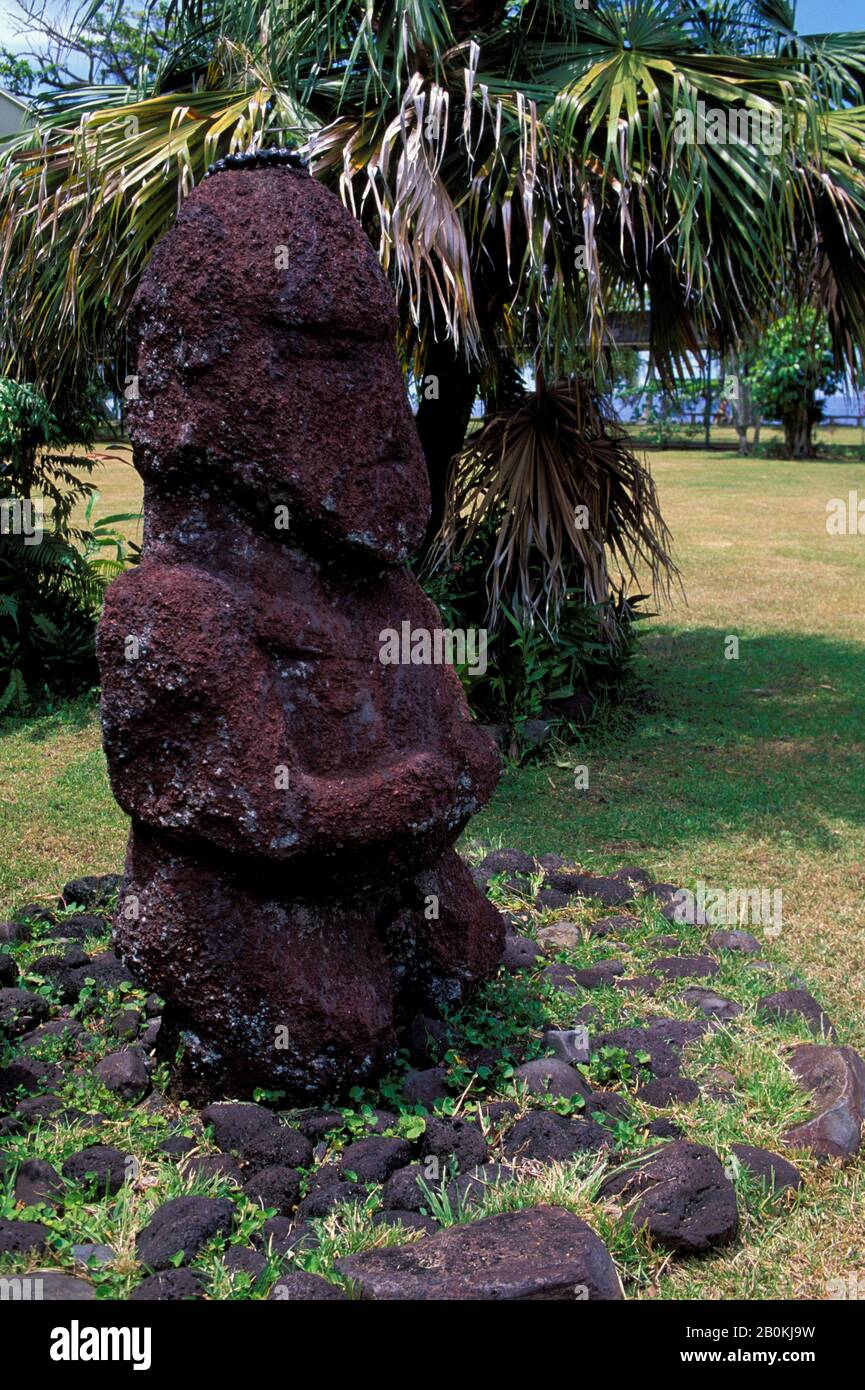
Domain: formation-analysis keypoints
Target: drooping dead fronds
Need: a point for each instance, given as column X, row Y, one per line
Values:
column 556, row 474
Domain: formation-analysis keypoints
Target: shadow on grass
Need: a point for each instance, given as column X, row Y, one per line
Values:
column 767, row 744
column 42, row 725
column 782, row 685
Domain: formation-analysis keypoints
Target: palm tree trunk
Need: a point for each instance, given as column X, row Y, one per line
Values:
column 798, row 442
column 448, row 392
column 450, row 382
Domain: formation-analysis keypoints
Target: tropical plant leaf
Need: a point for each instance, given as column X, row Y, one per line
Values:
column 557, row 477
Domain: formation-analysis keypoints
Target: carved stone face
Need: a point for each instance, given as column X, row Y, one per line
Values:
column 266, row 366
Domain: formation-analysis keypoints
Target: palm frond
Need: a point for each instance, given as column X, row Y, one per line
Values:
column 558, row 478
column 462, row 135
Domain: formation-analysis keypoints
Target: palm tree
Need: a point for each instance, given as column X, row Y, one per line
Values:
column 524, row 168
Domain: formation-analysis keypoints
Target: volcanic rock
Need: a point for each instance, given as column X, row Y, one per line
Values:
column 403, row 1191
column 184, row 1224
column 638, row 984
column 277, row 1187
column 507, row 861
column 49, row 1286
column 471, row 1189
column 30, row 1075
column 683, row 1197
column 240, row 1259
column 711, row 1004
column 23, row 1237
column 538, row 1253
column 549, row 1075
column 634, row 877
column 100, row 1169
column 91, row 891
column 677, row 967
column 662, row 1040
column 734, row 941
column 426, row 1039
column 426, row 1086
column 14, row 931
column 560, row 936
column 561, row 976
column 282, row 1146
column 69, row 1029
column 568, row 1044
column 169, row 1286
column 605, row 926
column 612, row 892
column 21, row 1011
column 552, row 899
column 328, row 1189
column 669, row 1090
column 37, row 1181
column 457, row 1140
column 520, row 953
column 92, row 1254
column 125, row 1074
column 306, row 1287
column 409, row 1220
column 662, row 1128
column 373, row 1160
column 798, row 1003
column 611, row 1105
column 836, row 1075
column 769, row 1168
column 220, row 1166
column 547, row 1137
column 236, row 1125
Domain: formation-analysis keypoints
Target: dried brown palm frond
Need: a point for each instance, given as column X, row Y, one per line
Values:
column 421, row 234
column 558, row 477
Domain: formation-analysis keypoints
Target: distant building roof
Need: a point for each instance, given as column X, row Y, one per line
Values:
column 13, row 113
column 10, row 96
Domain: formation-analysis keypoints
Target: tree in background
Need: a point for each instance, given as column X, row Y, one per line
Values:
column 793, row 369
column 116, row 43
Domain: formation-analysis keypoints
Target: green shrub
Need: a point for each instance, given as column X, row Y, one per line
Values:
column 535, row 670
column 793, row 364
column 52, row 574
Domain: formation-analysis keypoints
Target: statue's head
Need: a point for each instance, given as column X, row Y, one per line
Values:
column 266, row 367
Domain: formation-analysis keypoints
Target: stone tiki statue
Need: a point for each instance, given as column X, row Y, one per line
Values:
column 290, row 889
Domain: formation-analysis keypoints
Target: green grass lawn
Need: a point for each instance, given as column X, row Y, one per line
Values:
column 740, row 772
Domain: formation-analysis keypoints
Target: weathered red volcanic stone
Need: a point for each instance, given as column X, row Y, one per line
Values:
column 293, row 799
column 836, row 1076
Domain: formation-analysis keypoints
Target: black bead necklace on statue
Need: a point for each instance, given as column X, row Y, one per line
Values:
column 259, row 159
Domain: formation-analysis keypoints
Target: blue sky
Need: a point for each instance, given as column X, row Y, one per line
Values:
column 829, row 16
